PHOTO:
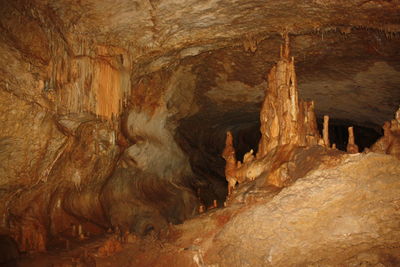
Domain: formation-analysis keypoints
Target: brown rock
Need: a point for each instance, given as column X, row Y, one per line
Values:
column 286, row 124
column 340, row 205
column 390, row 142
column 110, row 247
column 231, row 165
column 351, row 146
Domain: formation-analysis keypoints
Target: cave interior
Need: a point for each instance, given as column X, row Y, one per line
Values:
column 200, row 133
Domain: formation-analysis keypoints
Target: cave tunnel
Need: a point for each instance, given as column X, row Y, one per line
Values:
column 115, row 144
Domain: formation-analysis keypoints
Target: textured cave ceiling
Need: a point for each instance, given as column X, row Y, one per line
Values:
column 346, row 51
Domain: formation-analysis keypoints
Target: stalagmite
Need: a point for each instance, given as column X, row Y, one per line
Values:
column 73, row 230
column 351, row 146
column 202, row 208
column 326, row 131
column 390, row 142
column 248, row 157
column 286, row 123
column 284, row 119
column 310, row 123
column 230, row 157
column 79, row 229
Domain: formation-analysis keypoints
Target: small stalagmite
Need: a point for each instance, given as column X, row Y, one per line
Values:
column 325, row 131
column 202, row 209
column 231, row 165
column 248, row 157
column 351, row 146
column 390, row 142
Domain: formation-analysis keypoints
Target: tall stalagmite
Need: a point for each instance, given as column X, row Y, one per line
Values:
column 325, row 131
column 351, row 145
column 229, row 155
column 284, row 119
column 286, row 124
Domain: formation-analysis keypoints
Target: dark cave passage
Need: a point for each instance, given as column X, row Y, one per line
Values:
column 338, row 134
column 204, row 142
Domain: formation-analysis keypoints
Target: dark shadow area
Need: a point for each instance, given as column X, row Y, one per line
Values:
column 9, row 253
column 338, row 134
column 203, row 140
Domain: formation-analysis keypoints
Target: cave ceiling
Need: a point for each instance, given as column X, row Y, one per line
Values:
column 346, row 52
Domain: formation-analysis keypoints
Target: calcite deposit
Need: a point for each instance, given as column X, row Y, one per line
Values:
column 286, row 124
column 351, row 145
column 390, row 142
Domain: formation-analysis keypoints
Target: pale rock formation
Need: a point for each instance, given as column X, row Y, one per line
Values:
column 325, row 131
column 286, row 123
column 351, row 146
column 390, row 142
column 231, row 165
column 284, row 119
column 249, row 156
column 345, row 206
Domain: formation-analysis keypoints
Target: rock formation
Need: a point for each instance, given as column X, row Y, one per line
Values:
column 325, row 131
column 286, row 123
column 351, row 145
column 390, row 142
column 284, row 119
column 231, row 164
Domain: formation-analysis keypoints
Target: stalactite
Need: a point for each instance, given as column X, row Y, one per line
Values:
column 96, row 84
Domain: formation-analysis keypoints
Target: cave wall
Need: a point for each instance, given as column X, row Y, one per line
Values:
column 69, row 156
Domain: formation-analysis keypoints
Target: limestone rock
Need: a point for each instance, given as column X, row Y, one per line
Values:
column 324, row 218
column 351, row 146
column 390, row 142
